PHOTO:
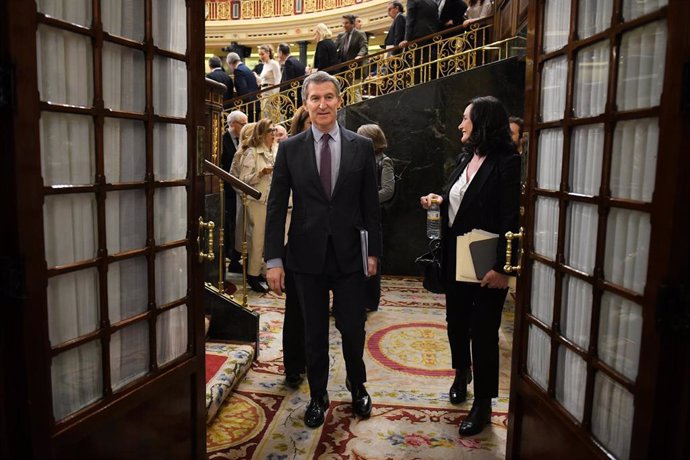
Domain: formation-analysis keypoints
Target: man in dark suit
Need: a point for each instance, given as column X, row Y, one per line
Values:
column 231, row 138
column 331, row 173
column 245, row 84
column 218, row 74
column 451, row 13
column 396, row 32
column 291, row 68
column 422, row 20
column 352, row 44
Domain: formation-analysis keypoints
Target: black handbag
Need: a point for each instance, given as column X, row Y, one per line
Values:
column 431, row 262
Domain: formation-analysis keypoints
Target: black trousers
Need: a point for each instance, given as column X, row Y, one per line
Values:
column 350, row 316
column 473, row 314
column 294, row 358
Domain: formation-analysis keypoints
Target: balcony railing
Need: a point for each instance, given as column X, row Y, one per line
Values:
column 226, row 10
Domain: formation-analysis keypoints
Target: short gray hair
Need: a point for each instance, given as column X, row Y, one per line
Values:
column 234, row 115
column 319, row 77
column 232, row 58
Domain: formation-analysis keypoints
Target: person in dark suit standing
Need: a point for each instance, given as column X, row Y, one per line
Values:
column 332, row 176
column 422, row 20
column 231, row 140
column 352, row 44
column 396, row 32
column 483, row 192
column 218, row 74
column 451, row 13
column 291, row 68
column 245, row 85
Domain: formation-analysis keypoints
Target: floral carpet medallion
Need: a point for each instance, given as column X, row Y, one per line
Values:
column 408, row 376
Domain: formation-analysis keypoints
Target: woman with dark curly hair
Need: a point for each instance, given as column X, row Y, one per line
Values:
column 483, row 192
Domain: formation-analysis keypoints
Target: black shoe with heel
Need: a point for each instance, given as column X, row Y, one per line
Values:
column 458, row 390
column 477, row 419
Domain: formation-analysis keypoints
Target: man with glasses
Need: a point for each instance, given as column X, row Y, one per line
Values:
column 231, row 140
column 396, row 32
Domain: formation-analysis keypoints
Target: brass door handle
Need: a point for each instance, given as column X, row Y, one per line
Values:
column 209, row 256
column 509, row 267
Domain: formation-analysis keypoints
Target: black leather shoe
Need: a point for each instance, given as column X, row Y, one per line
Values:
column 361, row 401
column 458, row 390
column 256, row 285
column 314, row 416
column 235, row 267
column 477, row 419
column 293, row 380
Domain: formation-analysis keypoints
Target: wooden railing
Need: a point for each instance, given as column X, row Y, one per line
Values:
column 226, row 10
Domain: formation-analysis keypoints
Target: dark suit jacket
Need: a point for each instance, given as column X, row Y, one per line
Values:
column 326, row 55
column 396, row 33
column 354, row 205
column 453, row 10
column 292, row 68
column 491, row 203
column 220, row 76
column 357, row 47
column 422, row 19
column 245, row 81
column 229, row 150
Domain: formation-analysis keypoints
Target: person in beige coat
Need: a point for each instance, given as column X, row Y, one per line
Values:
column 257, row 170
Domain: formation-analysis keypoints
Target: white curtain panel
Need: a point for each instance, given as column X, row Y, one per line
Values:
column 73, row 305
column 170, row 87
column 171, row 275
column 127, row 288
column 125, row 218
column 67, row 149
column 635, row 8
column 77, row 379
column 571, row 382
column 582, row 221
column 612, row 415
column 620, row 334
column 641, row 66
column 124, row 18
column 627, row 248
column 593, row 17
column 586, row 156
column 550, row 159
column 543, row 288
column 123, row 78
column 172, row 333
column 633, row 160
column 170, row 25
column 69, row 228
column 75, row 11
column 591, row 79
column 576, row 310
column 546, row 226
column 538, row 356
column 124, row 150
column 169, row 214
column 554, row 76
column 169, row 151
column 556, row 24
column 129, row 354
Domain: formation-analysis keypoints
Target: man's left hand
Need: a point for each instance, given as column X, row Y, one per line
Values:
column 372, row 265
column 495, row 280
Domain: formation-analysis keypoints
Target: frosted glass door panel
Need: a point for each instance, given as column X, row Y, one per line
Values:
column 546, row 227
column 169, row 25
column 633, row 160
column 620, row 334
column 571, row 381
column 125, row 219
column 170, row 214
column 69, row 228
column 127, row 288
column 543, row 287
column 576, row 310
column 591, row 80
column 556, row 24
column 77, row 378
column 538, row 356
column 586, row 155
column 123, row 74
column 612, row 415
column 554, row 76
column 593, row 17
column 170, row 88
column 582, row 221
column 73, row 305
column 124, row 18
column 129, row 354
column 74, row 11
column 550, row 159
column 64, row 67
column 169, row 151
column 67, row 149
column 627, row 248
column 124, row 150
column 171, row 332
column 641, row 66
column 171, row 275
column 635, row 8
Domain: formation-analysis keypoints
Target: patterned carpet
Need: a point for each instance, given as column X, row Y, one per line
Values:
column 408, row 370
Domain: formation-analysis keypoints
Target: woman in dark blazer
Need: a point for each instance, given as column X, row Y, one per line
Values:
column 483, row 192
column 326, row 54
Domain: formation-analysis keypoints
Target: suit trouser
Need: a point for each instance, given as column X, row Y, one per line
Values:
column 294, row 359
column 474, row 313
column 256, row 220
column 350, row 316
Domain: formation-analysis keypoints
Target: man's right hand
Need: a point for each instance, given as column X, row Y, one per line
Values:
column 275, row 277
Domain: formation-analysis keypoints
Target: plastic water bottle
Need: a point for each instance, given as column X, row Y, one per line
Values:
column 433, row 221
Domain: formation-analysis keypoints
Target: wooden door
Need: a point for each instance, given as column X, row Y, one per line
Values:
column 102, row 102
column 600, row 364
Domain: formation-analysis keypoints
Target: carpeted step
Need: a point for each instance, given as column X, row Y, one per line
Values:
column 226, row 364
